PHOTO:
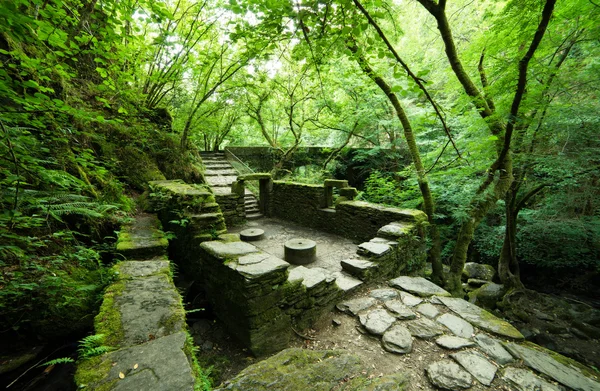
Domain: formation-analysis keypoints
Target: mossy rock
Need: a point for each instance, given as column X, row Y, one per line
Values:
column 316, row 370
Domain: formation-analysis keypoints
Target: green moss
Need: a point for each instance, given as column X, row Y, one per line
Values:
column 92, row 371
column 108, row 320
column 569, row 362
column 501, row 326
column 201, row 375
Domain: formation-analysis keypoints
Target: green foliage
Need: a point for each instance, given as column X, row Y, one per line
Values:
column 92, row 346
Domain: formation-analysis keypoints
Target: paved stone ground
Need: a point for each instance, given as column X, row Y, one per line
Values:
column 331, row 249
column 442, row 343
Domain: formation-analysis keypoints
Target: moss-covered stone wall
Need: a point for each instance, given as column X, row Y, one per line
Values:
column 356, row 220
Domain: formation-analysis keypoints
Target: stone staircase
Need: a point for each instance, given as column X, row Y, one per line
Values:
column 142, row 320
column 220, row 174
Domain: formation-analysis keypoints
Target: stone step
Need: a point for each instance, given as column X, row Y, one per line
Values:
column 142, row 239
column 395, row 230
column 359, row 268
column 371, row 249
column 253, row 216
column 221, row 180
column 347, row 283
column 220, row 172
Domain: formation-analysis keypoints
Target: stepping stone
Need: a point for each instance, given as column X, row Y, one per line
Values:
column 542, row 360
column 384, row 241
column 355, row 306
column 458, row 326
column 347, row 283
column 384, row 294
column 358, row 267
column 448, row 375
column 252, row 234
column 476, row 365
column 481, row 318
column 428, row 310
column 370, row 249
column 418, row 286
column 409, row 299
column 399, row 310
column 397, row 339
column 424, row 328
column 494, row 349
column 524, row 380
column 451, row 342
column 377, row 321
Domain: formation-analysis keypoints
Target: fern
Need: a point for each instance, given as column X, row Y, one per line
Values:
column 92, row 346
column 60, row 360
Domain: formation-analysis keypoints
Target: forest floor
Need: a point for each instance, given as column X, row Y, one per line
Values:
column 550, row 321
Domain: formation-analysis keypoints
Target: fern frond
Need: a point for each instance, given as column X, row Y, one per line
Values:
column 61, row 360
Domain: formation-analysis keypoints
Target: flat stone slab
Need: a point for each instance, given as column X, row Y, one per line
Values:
column 448, row 375
column 311, row 278
column 525, row 380
column 481, row 318
column 409, row 299
column 149, row 308
column 494, row 349
column 358, row 267
column 424, row 328
column 544, row 361
column 377, row 321
column 357, row 305
column 397, row 339
column 142, row 239
column 144, row 367
column 428, row 310
column 226, row 250
column 347, row 283
column 452, row 343
column 476, row 365
column 258, row 265
column 384, row 294
column 458, row 326
column 131, row 269
column 400, row 310
column 370, row 249
column 418, row 286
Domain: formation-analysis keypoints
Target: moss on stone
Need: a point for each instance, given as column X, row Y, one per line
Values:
column 92, row 371
column 569, row 362
column 108, row 320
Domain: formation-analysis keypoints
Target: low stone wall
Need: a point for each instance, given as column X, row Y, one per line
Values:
column 258, row 298
column 233, row 208
column 190, row 213
column 356, row 220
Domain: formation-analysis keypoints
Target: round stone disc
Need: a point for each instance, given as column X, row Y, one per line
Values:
column 249, row 235
column 300, row 251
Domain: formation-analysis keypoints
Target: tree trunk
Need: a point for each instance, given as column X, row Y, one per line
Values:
column 434, row 255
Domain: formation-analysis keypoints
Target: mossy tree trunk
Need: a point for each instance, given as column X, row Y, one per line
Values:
column 500, row 174
column 434, row 255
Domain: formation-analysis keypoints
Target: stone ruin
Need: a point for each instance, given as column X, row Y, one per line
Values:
column 259, row 299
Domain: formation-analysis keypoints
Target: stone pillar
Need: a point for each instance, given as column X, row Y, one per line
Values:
column 265, row 189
